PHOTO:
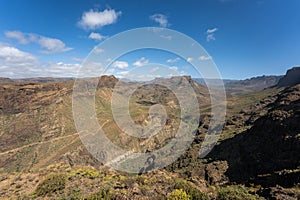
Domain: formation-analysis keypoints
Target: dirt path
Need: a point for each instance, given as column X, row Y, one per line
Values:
column 36, row 143
column 44, row 142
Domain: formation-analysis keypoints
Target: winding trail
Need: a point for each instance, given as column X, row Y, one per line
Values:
column 44, row 142
column 37, row 143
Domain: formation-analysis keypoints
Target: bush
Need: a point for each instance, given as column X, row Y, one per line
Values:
column 236, row 193
column 179, row 195
column 89, row 173
column 191, row 189
column 52, row 183
column 105, row 194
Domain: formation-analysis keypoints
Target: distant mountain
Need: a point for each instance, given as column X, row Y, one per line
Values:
column 5, row 80
column 43, row 80
column 251, row 85
column 242, row 86
column 213, row 82
column 291, row 78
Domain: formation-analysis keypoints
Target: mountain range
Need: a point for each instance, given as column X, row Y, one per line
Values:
column 256, row 157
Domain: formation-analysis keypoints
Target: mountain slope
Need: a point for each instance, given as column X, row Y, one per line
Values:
column 267, row 153
column 291, row 78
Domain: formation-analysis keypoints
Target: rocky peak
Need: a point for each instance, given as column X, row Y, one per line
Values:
column 291, row 78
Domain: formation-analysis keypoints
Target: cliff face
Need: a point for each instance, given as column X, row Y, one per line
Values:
column 267, row 153
column 291, row 78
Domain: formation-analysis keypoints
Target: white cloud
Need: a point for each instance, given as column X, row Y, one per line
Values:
column 18, row 35
column 173, row 60
column 109, row 60
column 77, row 59
column 174, row 68
column 189, row 59
column 167, row 37
column 161, row 19
column 210, row 31
column 15, row 63
column 141, row 62
column 120, row 64
column 203, row 58
column 154, row 69
column 96, row 36
column 50, row 45
column 98, row 50
column 13, row 57
column 92, row 20
column 210, row 34
column 58, row 69
column 210, row 37
column 110, row 71
column 123, row 73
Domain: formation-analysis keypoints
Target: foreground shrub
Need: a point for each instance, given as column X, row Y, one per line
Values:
column 89, row 173
column 52, row 183
column 237, row 192
column 179, row 194
column 104, row 194
column 191, row 189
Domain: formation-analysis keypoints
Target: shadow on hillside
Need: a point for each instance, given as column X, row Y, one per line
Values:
column 266, row 154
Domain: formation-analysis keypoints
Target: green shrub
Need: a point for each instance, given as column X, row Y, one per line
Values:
column 104, row 194
column 179, row 194
column 191, row 189
column 52, row 183
column 89, row 173
column 73, row 194
column 236, row 193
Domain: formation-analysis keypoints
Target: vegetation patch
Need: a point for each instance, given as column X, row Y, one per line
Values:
column 52, row 183
column 89, row 173
column 179, row 194
column 236, row 192
column 191, row 189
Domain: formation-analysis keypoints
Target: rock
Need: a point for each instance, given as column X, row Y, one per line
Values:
column 215, row 172
column 291, row 78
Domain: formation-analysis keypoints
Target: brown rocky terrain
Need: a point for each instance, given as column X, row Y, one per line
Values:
column 42, row 155
column 267, row 153
column 291, row 78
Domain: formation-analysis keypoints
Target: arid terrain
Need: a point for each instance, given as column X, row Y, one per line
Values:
column 256, row 157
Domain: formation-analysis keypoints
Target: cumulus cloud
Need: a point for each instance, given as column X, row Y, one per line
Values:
column 189, row 59
column 98, row 50
column 120, row 64
column 210, row 34
column 141, row 62
column 96, row 36
column 52, row 45
column 161, row 19
column 92, row 20
column 58, row 69
column 15, row 63
column 173, row 60
column 13, row 57
column 18, row 35
column 49, row 45
column 174, row 68
column 203, row 58
column 154, row 69
column 123, row 73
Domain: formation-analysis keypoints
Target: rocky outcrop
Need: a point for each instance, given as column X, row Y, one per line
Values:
column 263, row 153
column 291, row 78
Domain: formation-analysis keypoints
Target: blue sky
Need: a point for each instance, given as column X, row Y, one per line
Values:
column 245, row 38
